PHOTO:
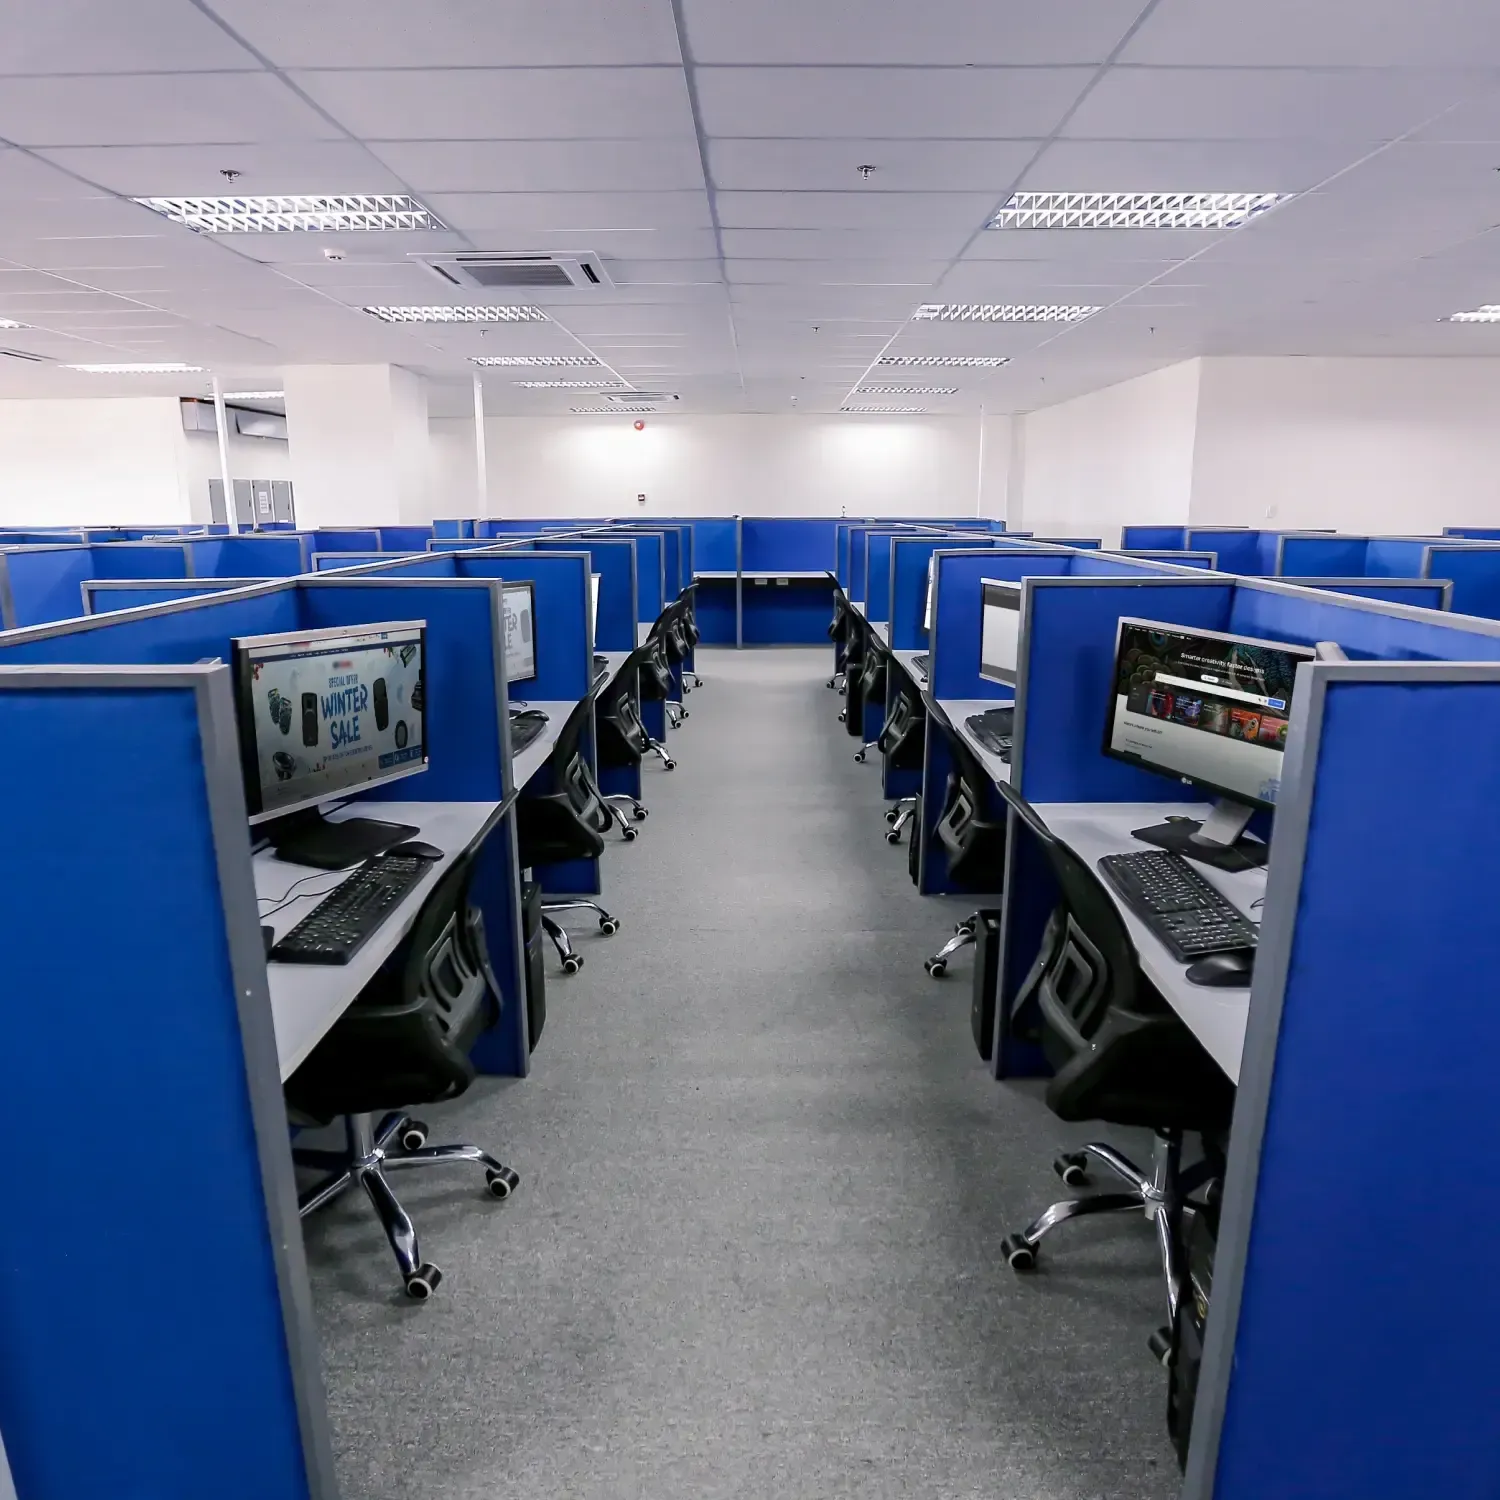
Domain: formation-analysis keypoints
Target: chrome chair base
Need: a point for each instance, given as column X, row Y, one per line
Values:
column 399, row 1143
column 660, row 752
column 572, row 961
column 676, row 713
column 898, row 815
column 963, row 937
column 1160, row 1194
column 638, row 810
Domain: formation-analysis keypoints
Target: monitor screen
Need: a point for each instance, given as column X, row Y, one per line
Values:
column 1210, row 708
column 520, row 632
column 323, row 713
column 1000, row 631
column 594, row 611
column 927, row 602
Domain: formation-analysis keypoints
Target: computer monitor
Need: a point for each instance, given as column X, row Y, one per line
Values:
column 999, row 631
column 927, row 601
column 594, row 610
column 1212, row 709
column 323, row 714
column 520, row 632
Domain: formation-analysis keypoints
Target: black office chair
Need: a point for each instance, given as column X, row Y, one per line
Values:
column 567, row 821
column 688, row 603
column 622, row 740
column 903, row 744
column 669, row 633
column 405, row 1041
column 838, row 633
column 856, row 646
column 974, row 844
column 654, row 685
column 1120, row 1054
column 872, row 690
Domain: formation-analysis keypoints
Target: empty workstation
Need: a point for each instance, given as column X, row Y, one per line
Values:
column 748, row 750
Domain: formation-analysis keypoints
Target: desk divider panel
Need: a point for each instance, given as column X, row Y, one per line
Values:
column 157, row 1327
column 1208, row 560
column 669, row 544
column 344, row 539
column 1318, row 555
column 560, row 589
column 908, row 585
column 453, row 528
column 141, row 560
column 249, row 556
column 1420, row 593
column 1395, row 557
column 1151, row 538
column 1082, row 543
column 716, row 544
column 42, row 583
column 1474, row 571
column 614, row 562
column 771, row 544
column 404, row 538
column 104, row 595
column 1239, row 551
column 1476, row 533
column 1330, row 1368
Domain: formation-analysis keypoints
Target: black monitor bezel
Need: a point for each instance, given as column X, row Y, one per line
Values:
column 1307, row 653
column 536, row 662
column 1000, row 675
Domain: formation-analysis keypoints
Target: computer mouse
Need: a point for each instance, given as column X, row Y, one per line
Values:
column 1224, row 970
column 416, row 849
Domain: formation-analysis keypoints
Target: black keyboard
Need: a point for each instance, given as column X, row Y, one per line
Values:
column 922, row 661
column 1179, row 906
column 349, row 916
column 993, row 730
column 524, row 727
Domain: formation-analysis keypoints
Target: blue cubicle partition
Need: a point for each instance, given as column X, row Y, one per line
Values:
column 1474, row 571
column 669, row 541
column 614, row 561
column 1474, row 533
column 457, row 529
column 105, row 595
column 906, row 592
column 1086, row 543
column 1239, row 550
column 1421, row 593
column 258, row 556
column 404, row 538
column 1153, row 538
column 776, row 544
column 777, row 607
column 1318, row 554
column 43, row 583
column 344, row 539
column 1181, row 559
column 716, row 543
column 1395, row 557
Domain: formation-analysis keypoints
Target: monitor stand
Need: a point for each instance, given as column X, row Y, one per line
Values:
column 1216, row 841
column 308, row 838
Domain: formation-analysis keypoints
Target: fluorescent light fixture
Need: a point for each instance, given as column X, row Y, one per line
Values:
column 552, row 361
column 907, row 390
column 254, row 395
column 884, row 411
column 166, row 367
column 1489, row 313
column 1132, row 210
column 458, row 314
column 572, row 385
column 1000, row 312
column 612, row 411
column 299, row 211
column 944, row 361
column 11, row 323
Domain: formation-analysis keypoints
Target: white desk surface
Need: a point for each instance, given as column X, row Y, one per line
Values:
column 906, row 660
column 525, row 764
column 616, row 660
column 1216, row 1017
column 957, row 710
column 642, row 630
column 715, row 573
column 822, row 573
column 306, row 999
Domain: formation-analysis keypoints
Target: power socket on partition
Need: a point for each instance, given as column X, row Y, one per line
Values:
column 640, row 499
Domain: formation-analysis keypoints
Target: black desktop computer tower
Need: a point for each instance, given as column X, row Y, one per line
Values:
column 986, row 982
column 536, row 964
column 1192, row 1315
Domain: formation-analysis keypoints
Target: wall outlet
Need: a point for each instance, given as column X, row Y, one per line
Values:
column 640, row 499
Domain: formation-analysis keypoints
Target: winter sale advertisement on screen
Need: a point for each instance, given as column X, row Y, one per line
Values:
column 327, row 719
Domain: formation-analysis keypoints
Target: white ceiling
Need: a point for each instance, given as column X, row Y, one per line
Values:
column 707, row 150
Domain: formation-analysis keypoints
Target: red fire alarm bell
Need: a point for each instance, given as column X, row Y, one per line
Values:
column 640, row 426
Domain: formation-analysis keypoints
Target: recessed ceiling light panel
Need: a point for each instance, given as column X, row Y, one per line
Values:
column 254, row 395
column 572, row 385
column 945, row 361
column 1489, row 313
column 551, row 361
column 165, row 367
column 304, row 212
column 612, row 411
column 1000, row 312
column 884, row 411
column 1132, row 210
column 907, row 390
column 11, row 323
column 458, row 314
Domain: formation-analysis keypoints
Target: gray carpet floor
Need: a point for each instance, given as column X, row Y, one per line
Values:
column 764, row 1177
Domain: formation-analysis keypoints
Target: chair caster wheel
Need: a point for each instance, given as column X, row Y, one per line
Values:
column 1072, row 1167
column 501, row 1184
column 685, row 714
column 413, row 1135
column 937, row 967
column 609, row 925
column 423, row 1282
column 628, row 834
column 671, row 765
column 1018, row 1254
column 963, row 929
column 572, row 964
column 859, row 755
column 640, row 814
column 832, row 683
column 842, row 716
column 893, row 837
column 891, row 815
column 1160, row 1345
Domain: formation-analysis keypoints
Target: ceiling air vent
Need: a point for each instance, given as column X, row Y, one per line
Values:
column 636, row 398
column 477, row 270
column 31, row 359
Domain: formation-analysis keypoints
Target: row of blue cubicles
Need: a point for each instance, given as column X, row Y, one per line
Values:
column 155, row 1313
column 1367, row 1048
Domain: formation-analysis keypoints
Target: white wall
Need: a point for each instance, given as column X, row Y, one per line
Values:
column 724, row 465
column 92, row 462
column 1116, row 457
column 1377, row 445
column 249, row 458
